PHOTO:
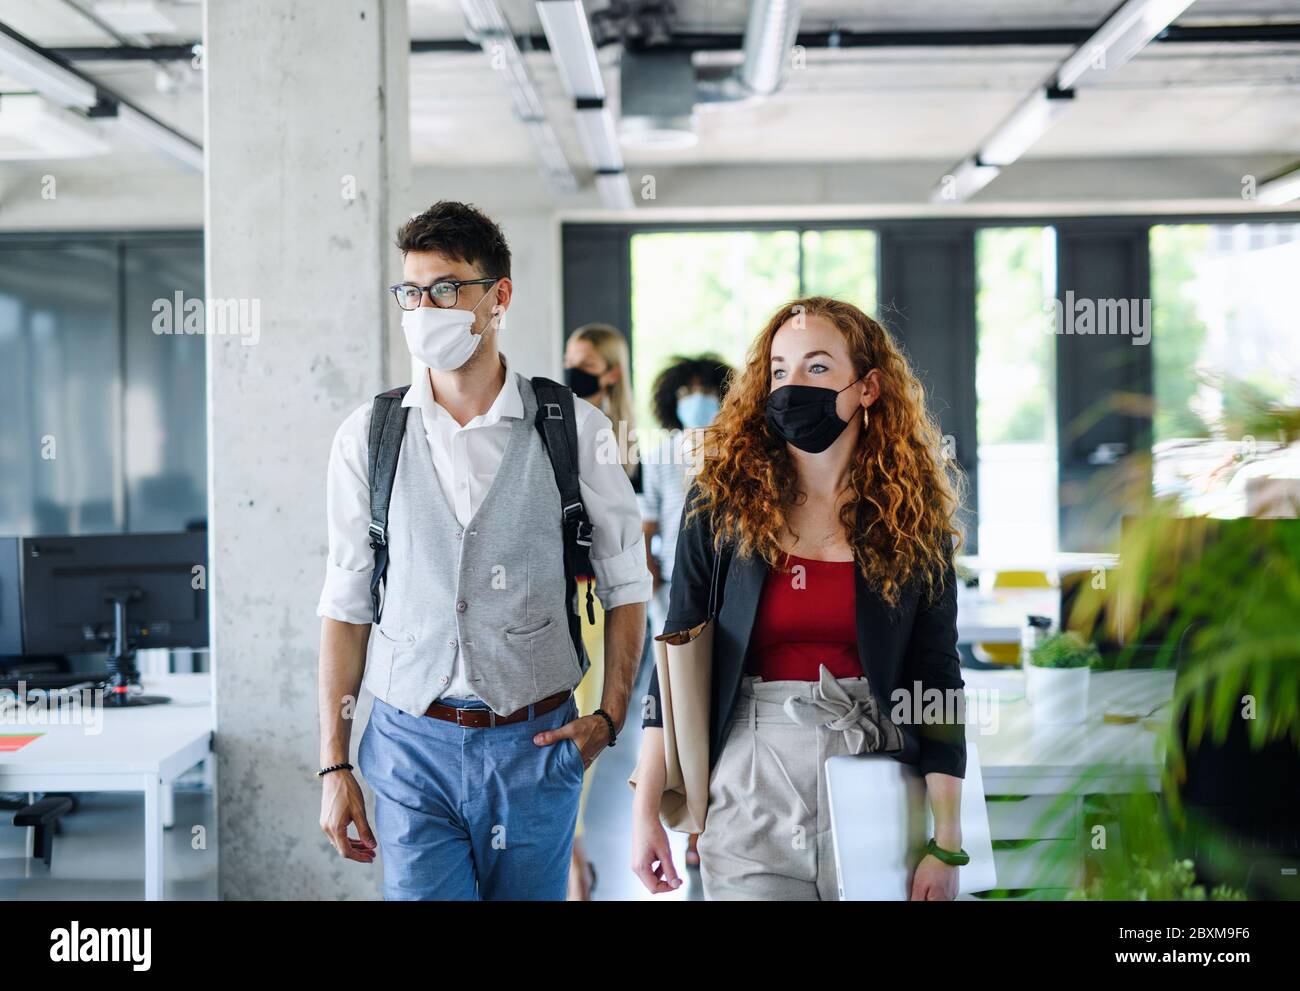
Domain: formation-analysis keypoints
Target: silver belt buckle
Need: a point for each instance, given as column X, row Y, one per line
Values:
column 492, row 716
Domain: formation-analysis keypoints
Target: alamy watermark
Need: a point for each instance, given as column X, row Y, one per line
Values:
column 36, row 707
column 1086, row 316
column 191, row 315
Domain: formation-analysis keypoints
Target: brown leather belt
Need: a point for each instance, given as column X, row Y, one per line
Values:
column 483, row 718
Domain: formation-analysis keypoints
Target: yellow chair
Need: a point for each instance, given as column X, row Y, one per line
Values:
column 1009, row 653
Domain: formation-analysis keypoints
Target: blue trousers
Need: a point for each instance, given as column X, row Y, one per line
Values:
column 466, row 813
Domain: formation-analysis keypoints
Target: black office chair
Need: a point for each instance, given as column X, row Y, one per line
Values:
column 44, row 815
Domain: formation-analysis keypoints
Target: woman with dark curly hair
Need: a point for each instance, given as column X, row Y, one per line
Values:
column 687, row 396
column 827, row 502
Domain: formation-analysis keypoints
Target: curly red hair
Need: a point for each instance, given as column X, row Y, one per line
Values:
column 901, row 519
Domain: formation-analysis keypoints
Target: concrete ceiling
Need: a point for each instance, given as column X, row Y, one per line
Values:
column 441, row 18
column 879, row 104
column 867, row 104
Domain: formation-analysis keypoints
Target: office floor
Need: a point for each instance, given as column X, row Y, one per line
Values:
column 99, row 854
column 609, row 828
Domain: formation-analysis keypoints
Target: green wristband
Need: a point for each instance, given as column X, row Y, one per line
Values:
column 952, row 858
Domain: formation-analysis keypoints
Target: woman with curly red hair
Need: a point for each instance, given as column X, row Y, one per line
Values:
column 829, row 509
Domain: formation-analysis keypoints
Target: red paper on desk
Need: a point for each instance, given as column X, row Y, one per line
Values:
column 9, row 742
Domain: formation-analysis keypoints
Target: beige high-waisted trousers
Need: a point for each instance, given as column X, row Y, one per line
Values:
column 767, row 831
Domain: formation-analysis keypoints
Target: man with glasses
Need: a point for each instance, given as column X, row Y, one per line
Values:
column 475, row 749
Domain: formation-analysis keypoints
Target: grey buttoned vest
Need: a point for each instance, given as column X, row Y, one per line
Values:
column 493, row 590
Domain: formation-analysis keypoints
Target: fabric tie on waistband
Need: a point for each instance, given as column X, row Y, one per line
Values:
column 859, row 720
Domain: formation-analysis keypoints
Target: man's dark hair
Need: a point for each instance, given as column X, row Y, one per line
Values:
column 461, row 232
column 708, row 370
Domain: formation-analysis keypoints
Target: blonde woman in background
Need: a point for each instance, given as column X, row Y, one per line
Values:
column 596, row 362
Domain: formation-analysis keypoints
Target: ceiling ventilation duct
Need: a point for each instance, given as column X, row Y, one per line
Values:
column 658, row 100
column 769, row 36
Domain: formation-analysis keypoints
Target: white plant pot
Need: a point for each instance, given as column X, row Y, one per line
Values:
column 1057, row 695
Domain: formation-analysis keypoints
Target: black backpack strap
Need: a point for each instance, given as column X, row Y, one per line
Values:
column 387, row 428
column 557, row 421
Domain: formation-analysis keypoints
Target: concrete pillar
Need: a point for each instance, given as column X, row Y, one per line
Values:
column 307, row 162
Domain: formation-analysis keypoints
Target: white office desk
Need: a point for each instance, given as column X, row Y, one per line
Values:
column 1024, row 759
column 998, row 617
column 1036, row 777
column 141, row 749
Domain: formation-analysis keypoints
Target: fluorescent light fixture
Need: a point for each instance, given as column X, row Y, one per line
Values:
column 47, row 77
column 569, row 37
column 599, row 139
column 32, row 127
column 162, row 138
column 1027, row 123
column 964, row 181
column 484, row 17
column 523, row 94
column 1280, row 189
column 555, row 166
column 490, row 29
column 135, row 16
column 1125, row 33
column 614, row 191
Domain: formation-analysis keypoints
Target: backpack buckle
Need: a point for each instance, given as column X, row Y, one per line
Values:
column 575, row 513
column 553, row 411
column 378, row 538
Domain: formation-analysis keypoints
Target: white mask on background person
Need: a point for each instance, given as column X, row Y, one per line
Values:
column 441, row 338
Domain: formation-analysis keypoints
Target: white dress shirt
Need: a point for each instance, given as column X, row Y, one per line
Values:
column 465, row 460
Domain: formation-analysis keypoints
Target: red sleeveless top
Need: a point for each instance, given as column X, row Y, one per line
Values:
column 806, row 618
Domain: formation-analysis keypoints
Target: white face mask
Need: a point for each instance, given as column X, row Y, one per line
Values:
column 441, row 338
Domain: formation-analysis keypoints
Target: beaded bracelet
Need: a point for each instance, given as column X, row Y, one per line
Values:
column 613, row 736
column 333, row 767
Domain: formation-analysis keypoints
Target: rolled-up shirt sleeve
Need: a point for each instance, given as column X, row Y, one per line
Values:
column 617, row 543
column 345, row 595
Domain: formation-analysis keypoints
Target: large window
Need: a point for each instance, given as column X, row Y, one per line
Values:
column 841, row 263
column 1226, row 361
column 696, row 291
column 1214, row 384
column 1015, row 390
column 104, row 419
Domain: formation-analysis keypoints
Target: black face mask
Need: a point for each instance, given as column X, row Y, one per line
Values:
column 804, row 415
column 582, row 383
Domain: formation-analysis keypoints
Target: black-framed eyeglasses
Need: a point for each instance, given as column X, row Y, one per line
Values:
column 444, row 294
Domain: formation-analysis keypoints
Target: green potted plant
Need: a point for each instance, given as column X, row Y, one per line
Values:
column 1223, row 611
column 1174, row 882
column 1057, row 675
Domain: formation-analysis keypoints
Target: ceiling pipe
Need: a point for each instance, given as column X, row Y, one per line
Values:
column 696, row 41
column 770, row 34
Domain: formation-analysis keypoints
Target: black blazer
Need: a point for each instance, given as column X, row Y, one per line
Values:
column 914, row 641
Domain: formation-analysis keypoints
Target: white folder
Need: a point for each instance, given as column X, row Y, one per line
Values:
column 881, row 821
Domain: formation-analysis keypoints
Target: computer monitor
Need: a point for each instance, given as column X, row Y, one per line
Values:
column 114, row 593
